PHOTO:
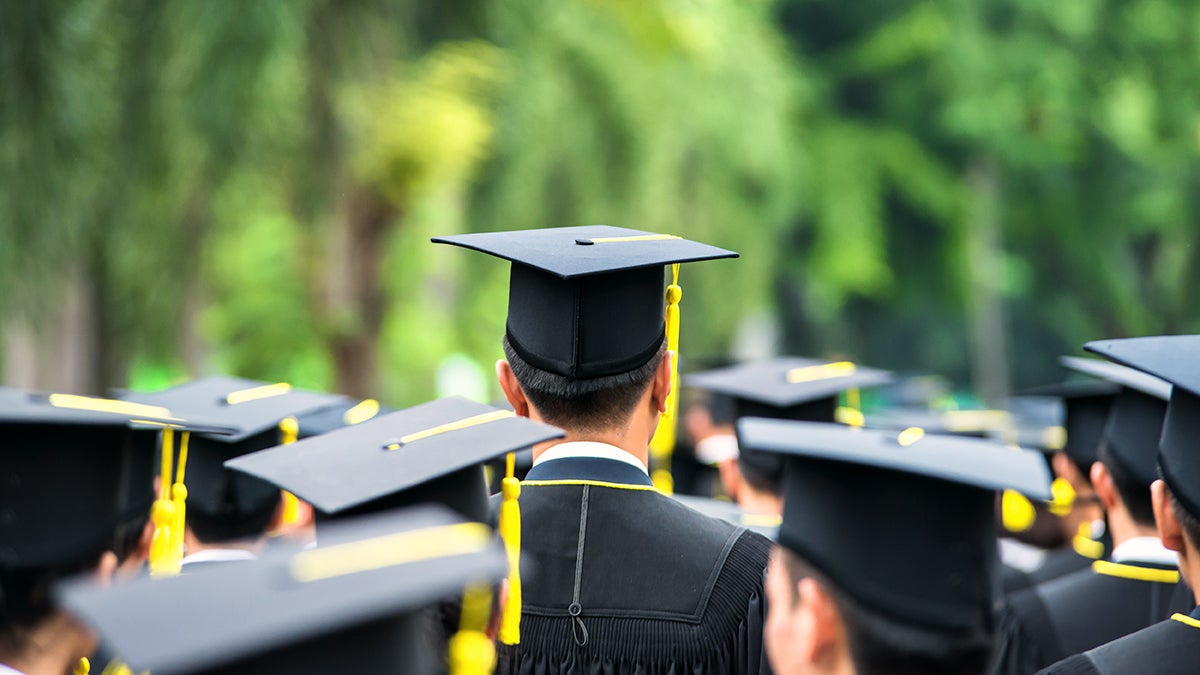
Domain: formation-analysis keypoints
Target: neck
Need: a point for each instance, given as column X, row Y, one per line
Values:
column 1123, row 528
column 640, row 451
column 53, row 647
column 759, row 503
column 193, row 545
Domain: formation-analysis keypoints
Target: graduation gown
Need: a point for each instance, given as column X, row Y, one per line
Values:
column 1069, row 615
column 618, row 578
column 1170, row 647
column 1058, row 563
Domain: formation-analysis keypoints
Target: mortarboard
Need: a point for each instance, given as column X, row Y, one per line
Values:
column 850, row 494
column 1134, row 422
column 361, row 602
column 586, row 302
column 1086, row 404
column 263, row 415
column 784, row 388
column 75, row 469
column 1175, row 359
column 430, row 452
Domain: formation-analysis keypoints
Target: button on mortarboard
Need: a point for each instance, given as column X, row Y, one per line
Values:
column 359, row 603
column 926, row 500
column 586, row 302
column 430, row 452
column 1176, row 359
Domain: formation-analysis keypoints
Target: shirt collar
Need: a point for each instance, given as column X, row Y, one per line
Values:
column 1145, row 549
column 590, row 449
column 215, row 555
column 6, row 670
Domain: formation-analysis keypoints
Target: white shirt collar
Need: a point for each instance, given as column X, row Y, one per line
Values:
column 1145, row 549
column 590, row 449
column 716, row 449
column 215, row 555
column 5, row 670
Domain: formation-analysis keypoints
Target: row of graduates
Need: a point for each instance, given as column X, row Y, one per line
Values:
column 886, row 558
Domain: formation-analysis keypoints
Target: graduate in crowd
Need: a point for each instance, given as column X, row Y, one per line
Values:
column 1170, row 647
column 77, row 480
column 1086, row 404
column 887, row 560
column 779, row 388
column 1135, row 586
column 622, row 577
column 229, row 515
column 364, row 601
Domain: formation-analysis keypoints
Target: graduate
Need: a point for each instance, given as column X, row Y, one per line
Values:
column 1134, row 587
column 1170, row 647
column 229, row 515
column 781, row 388
column 622, row 577
column 886, row 563
column 365, row 601
column 76, row 479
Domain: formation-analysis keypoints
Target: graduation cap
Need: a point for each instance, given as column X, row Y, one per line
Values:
column 428, row 453
column 75, row 469
column 788, row 387
column 1086, row 404
column 904, row 523
column 225, row 505
column 1175, row 359
column 360, row 603
column 586, row 302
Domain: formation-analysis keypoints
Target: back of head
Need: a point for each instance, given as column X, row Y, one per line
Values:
column 583, row 404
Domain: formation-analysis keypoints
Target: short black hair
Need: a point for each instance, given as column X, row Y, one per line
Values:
column 1133, row 494
column 213, row 528
column 594, row 403
column 882, row 645
column 762, row 471
column 1188, row 521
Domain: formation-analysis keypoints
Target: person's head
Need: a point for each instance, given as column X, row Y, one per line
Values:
column 1119, row 492
column 888, row 559
column 1127, row 459
column 586, row 405
column 814, row 627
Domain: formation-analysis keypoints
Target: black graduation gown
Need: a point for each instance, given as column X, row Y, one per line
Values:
column 1072, row 614
column 1170, row 647
column 618, row 578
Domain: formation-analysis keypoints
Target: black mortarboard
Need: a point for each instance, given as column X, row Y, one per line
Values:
column 1176, row 359
column 1086, row 404
column 74, row 469
column 361, row 604
column 1135, row 416
column 927, row 500
column 256, row 410
column 432, row 452
column 586, row 302
column 783, row 388
column 788, row 387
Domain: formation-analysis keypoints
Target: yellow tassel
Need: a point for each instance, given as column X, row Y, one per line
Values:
column 663, row 443
column 83, row 667
column 162, row 514
column 510, row 531
column 289, row 432
column 1085, row 546
column 1062, row 497
column 179, row 497
column 1016, row 511
column 470, row 652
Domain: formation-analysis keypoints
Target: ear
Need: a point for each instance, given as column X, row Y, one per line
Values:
column 106, row 569
column 1164, row 516
column 1065, row 469
column 661, row 388
column 1102, row 482
column 820, row 623
column 501, row 601
column 510, row 387
column 731, row 477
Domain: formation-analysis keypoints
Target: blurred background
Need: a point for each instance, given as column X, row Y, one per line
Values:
column 966, row 187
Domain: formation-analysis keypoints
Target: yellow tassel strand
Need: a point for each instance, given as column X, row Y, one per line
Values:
column 83, row 667
column 1016, row 511
column 179, row 497
column 162, row 514
column 289, row 432
column 470, row 651
column 663, row 443
column 1062, row 498
column 510, row 531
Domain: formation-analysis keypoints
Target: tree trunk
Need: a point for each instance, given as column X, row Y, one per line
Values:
column 987, row 313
